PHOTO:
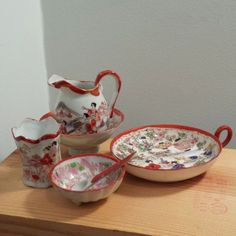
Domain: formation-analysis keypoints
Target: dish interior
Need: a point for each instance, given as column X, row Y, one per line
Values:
column 166, row 148
column 72, row 173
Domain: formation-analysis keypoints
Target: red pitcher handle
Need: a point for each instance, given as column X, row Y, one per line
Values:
column 229, row 134
column 118, row 86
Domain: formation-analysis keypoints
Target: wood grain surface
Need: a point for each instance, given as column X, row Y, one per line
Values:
column 205, row 205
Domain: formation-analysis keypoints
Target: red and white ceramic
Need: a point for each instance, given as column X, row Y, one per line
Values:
column 81, row 106
column 69, row 176
column 89, row 143
column 168, row 152
column 38, row 144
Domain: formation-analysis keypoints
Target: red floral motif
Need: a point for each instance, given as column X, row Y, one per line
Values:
column 36, row 167
column 35, row 177
column 46, row 160
column 153, row 166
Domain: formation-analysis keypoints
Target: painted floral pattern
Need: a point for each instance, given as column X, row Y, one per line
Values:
column 37, row 160
column 70, row 174
column 166, row 148
column 94, row 118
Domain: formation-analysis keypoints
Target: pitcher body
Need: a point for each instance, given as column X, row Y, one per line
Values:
column 81, row 107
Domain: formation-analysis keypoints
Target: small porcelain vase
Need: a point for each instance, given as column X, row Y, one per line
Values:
column 38, row 144
column 81, row 107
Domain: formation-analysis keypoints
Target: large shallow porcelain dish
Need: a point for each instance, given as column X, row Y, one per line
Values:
column 69, row 175
column 88, row 143
column 169, row 153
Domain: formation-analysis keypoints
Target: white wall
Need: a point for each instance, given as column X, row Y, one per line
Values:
column 23, row 87
column 177, row 58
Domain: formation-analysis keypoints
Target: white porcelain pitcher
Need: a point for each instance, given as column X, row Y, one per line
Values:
column 81, row 106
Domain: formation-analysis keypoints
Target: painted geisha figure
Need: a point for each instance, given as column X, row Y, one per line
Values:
column 94, row 117
column 91, row 121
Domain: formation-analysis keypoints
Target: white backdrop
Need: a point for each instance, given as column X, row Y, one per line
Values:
column 23, row 88
column 177, row 58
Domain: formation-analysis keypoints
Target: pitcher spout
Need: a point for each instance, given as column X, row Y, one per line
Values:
column 80, row 87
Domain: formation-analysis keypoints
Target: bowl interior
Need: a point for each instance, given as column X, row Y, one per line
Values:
column 70, row 174
column 166, row 147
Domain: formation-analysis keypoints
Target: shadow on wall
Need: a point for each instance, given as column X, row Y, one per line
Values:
column 177, row 60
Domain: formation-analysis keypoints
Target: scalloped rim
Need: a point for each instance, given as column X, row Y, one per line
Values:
column 42, row 138
column 66, row 83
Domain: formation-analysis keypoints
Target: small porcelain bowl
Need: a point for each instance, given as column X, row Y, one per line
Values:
column 88, row 143
column 67, row 176
column 169, row 153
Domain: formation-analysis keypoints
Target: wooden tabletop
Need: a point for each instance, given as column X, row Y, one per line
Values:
column 205, row 205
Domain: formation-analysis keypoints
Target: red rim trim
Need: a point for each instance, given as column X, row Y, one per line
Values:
column 85, row 155
column 36, row 141
column 174, row 126
column 94, row 91
column 117, row 78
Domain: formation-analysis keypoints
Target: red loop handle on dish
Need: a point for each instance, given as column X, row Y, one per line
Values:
column 118, row 86
column 229, row 134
